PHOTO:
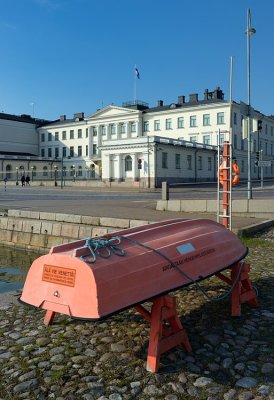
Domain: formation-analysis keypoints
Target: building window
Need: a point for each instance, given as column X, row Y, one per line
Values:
column 71, row 151
column 42, row 152
column 86, row 150
column 94, row 149
column 104, row 130
column 71, row 134
column 177, row 161
column 193, row 139
column 209, row 164
column 168, row 123
column 271, row 149
column 206, row 139
column 235, row 118
column 146, row 126
column 42, row 137
column 64, row 151
column 164, row 159
column 235, row 142
column 157, row 125
column 266, row 129
column 128, row 163
column 123, row 128
column 200, row 163
column 271, row 131
column 56, row 136
column 49, row 152
column 112, row 129
column 49, row 137
column 64, row 135
column 266, row 148
column 193, row 121
column 45, row 171
column 56, row 152
column 133, row 127
column 79, row 151
column 180, row 122
column 220, row 118
column 33, row 168
column 79, row 133
column 206, row 119
column 189, row 162
column 242, row 144
column 86, row 132
column 8, row 171
column 94, row 131
column 243, row 166
column 222, row 138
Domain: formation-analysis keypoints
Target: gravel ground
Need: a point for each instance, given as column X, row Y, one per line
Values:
column 232, row 358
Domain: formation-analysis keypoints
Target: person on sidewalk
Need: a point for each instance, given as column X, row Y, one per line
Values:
column 23, row 180
column 27, row 180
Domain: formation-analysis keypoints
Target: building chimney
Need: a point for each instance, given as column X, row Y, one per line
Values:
column 63, row 117
column 160, row 103
column 206, row 94
column 193, row 98
column 181, row 100
column 218, row 93
column 79, row 116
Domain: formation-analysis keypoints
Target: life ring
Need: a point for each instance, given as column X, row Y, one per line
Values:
column 235, row 173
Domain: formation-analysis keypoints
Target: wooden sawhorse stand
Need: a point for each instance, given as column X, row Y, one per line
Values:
column 243, row 291
column 166, row 330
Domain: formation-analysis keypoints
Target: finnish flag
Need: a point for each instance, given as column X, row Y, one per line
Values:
column 137, row 73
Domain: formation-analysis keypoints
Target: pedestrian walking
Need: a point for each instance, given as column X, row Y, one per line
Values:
column 27, row 180
column 23, row 180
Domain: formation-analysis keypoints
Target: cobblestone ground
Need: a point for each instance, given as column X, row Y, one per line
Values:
column 232, row 358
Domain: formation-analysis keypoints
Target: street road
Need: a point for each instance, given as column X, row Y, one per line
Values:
column 130, row 203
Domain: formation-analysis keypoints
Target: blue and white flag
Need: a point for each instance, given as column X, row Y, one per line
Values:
column 137, row 73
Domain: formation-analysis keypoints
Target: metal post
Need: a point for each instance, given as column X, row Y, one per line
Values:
column 62, row 172
column 249, row 32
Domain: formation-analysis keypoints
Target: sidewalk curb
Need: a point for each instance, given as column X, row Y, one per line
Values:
column 251, row 229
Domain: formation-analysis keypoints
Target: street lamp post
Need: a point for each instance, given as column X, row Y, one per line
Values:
column 16, row 176
column 250, row 31
column 74, row 173
column 32, row 173
column 55, row 175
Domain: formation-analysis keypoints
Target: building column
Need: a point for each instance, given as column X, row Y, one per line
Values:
column 90, row 142
column 108, row 132
column 120, row 167
column 128, row 129
column 135, row 171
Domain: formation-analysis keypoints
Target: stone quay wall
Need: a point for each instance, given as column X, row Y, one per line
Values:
column 35, row 230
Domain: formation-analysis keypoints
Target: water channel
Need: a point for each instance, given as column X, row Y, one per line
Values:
column 14, row 265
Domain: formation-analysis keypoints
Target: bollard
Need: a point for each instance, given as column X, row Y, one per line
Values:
column 165, row 191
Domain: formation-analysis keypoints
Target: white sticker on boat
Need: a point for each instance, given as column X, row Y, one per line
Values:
column 185, row 248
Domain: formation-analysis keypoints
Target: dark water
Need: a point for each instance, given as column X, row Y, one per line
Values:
column 14, row 265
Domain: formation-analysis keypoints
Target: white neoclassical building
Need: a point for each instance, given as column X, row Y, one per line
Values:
column 135, row 144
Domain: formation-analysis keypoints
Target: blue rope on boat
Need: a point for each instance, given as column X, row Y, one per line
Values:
column 103, row 248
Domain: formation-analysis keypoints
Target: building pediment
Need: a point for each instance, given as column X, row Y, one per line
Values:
column 112, row 111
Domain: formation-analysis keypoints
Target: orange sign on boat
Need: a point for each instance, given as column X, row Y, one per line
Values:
column 59, row 275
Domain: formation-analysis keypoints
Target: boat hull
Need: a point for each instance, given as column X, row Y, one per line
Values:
column 158, row 258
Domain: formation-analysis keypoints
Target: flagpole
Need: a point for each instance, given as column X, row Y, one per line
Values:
column 135, row 85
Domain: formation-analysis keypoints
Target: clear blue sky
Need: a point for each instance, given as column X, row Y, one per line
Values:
column 69, row 56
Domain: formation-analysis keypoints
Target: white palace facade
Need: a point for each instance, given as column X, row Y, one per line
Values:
column 135, row 144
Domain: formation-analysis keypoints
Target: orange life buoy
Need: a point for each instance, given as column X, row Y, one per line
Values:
column 235, row 174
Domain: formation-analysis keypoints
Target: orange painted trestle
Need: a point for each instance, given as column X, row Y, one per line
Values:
column 166, row 330
column 242, row 292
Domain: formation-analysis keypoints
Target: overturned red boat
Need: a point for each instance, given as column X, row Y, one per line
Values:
column 93, row 278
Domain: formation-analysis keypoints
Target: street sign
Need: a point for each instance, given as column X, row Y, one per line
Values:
column 263, row 163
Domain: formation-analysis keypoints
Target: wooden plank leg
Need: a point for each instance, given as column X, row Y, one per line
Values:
column 49, row 316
